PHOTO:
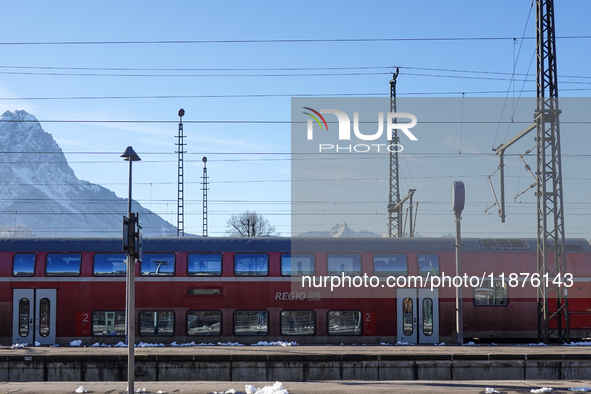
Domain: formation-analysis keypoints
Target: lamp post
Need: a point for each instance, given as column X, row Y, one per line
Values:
column 131, row 156
column 458, row 198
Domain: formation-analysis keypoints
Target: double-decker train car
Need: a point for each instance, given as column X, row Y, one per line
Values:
column 204, row 290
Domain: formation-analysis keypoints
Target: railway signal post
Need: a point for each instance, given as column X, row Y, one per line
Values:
column 129, row 236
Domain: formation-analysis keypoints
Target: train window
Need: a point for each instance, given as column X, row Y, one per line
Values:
column 491, row 294
column 349, row 264
column 204, row 323
column 298, row 322
column 428, row 264
column 62, row 264
column 156, row 323
column 251, row 323
column 297, row 264
column 24, row 316
column 344, row 323
column 407, row 316
column 109, row 264
column 108, row 323
column 157, row 264
column 23, row 264
column 251, row 264
column 427, row 316
column 390, row 265
column 204, row 264
column 44, row 317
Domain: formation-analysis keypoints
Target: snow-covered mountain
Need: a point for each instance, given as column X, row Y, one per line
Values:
column 340, row 230
column 39, row 190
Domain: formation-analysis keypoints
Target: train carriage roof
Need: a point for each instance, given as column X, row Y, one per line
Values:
column 282, row 244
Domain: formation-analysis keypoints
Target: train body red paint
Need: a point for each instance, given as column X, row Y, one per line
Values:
column 209, row 290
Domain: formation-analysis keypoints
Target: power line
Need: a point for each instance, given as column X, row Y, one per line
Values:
column 266, row 41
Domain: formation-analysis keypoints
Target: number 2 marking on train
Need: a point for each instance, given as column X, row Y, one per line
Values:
column 368, row 316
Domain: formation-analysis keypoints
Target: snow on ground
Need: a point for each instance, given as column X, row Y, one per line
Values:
column 278, row 343
column 584, row 389
column 143, row 344
column 277, row 388
column 543, row 390
column 19, row 345
column 470, row 344
column 229, row 344
column 81, row 389
column 77, row 342
column 490, row 390
column 399, row 343
column 578, row 344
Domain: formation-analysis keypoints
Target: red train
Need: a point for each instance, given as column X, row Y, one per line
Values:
column 247, row 290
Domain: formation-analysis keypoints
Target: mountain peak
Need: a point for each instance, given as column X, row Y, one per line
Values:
column 18, row 115
column 340, row 229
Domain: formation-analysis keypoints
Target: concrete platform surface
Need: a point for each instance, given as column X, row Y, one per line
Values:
column 320, row 387
column 327, row 350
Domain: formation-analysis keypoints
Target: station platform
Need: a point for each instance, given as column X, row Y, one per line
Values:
column 323, row 387
column 297, row 363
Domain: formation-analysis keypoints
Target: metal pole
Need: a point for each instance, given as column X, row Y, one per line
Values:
column 502, row 176
column 459, row 289
column 130, row 285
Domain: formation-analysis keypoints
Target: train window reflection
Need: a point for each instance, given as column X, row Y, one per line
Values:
column 491, row 294
column 204, row 264
column 109, row 264
column 428, row 264
column 251, row 323
column 297, row 264
column 157, row 264
column 427, row 316
column 108, row 323
column 251, row 264
column 390, row 265
column 62, row 264
column 44, row 317
column 24, row 314
column 298, row 322
column 407, row 316
column 344, row 323
column 156, row 323
column 349, row 264
column 204, row 323
column 23, row 264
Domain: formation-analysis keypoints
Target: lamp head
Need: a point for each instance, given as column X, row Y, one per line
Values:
column 130, row 154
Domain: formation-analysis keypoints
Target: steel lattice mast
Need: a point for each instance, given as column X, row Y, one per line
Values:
column 394, row 214
column 550, row 238
column 180, row 221
column 205, row 189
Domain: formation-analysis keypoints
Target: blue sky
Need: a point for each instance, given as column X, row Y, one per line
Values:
column 249, row 163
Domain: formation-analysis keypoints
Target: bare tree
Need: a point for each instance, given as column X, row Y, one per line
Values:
column 249, row 224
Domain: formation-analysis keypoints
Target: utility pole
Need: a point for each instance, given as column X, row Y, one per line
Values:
column 180, row 221
column 204, row 188
column 553, row 322
column 394, row 206
column 551, row 238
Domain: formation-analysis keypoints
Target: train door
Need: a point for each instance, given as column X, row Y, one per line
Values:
column 417, row 319
column 33, row 316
